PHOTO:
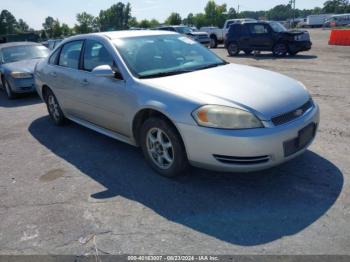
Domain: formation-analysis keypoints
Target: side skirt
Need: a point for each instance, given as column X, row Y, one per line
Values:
column 102, row 130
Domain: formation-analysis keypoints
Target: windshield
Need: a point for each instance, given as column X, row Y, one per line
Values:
column 183, row 30
column 278, row 27
column 23, row 52
column 162, row 55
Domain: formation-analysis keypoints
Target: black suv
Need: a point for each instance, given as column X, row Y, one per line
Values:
column 266, row 36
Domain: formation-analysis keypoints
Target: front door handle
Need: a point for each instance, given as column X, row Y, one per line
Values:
column 84, row 82
column 53, row 74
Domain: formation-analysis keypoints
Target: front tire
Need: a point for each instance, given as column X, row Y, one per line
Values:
column 8, row 90
column 54, row 109
column 233, row 49
column 280, row 50
column 163, row 148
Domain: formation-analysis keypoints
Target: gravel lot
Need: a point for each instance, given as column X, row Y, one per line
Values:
column 70, row 190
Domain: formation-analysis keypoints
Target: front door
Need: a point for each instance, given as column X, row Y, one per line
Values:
column 105, row 98
column 261, row 38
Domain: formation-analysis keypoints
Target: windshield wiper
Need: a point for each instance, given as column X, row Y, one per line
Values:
column 163, row 74
column 211, row 66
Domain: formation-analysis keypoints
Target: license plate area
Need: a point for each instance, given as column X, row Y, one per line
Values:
column 305, row 136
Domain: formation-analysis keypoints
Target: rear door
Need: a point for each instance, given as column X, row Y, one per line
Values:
column 261, row 36
column 62, row 70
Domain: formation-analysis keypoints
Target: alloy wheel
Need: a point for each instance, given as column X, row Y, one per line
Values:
column 160, row 148
column 53, row 107
column 233, row 49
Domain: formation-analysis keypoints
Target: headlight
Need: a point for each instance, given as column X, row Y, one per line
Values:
column 21, row 75
column 225, row 117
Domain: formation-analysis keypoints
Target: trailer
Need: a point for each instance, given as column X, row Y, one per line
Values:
column 317, row 20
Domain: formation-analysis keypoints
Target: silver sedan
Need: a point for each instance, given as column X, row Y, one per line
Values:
column 178, row 101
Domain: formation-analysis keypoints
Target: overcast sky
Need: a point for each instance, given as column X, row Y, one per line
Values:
column 35, row 11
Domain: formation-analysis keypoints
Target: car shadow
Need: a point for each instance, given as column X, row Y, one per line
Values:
column 20, row 100
column 243, row 209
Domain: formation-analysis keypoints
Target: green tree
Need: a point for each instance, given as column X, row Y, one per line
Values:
column 336, row 6
column 86, row 23
column 316, row 11
column 174, row 19
column 215, row 14
column 200, row 20
column 65, row 30
column 232, row 14
column 189, row 20
column 22, row 26
column 280, row 12
column 145, row 23
column 48, row 26
column 8, row 23
column 154, row 23
column 115, row 18
column 133, row 22
column 57, row 29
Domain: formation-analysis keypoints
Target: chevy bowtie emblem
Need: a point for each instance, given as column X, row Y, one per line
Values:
column 298, row 112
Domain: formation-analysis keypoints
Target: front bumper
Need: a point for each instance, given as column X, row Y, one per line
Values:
column 300, row 46
column 22, row 85
column 265, row 146
column 205, row 42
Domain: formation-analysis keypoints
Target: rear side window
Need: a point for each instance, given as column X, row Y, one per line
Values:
column 96, row 54
column 229, row 23
column 70, row 54
column 258, row 29
column 53, row 57
column 235, row 29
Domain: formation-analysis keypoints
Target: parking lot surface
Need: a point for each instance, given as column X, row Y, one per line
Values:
column 69, row 190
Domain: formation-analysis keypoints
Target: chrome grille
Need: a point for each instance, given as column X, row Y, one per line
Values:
column 287, row 117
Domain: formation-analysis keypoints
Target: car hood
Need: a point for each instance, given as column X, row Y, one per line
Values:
column 265, row 93
column 22, row 66
column 295, row 32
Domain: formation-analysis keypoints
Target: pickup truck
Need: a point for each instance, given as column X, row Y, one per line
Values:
column 218, row 35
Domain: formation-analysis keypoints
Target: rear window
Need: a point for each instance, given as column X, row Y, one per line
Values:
column 23, row 52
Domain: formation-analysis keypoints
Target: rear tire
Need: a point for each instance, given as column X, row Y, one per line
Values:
column 54, row 109
column 163, row 148
column 233, row 49
column 293, row 53
column 213, row 42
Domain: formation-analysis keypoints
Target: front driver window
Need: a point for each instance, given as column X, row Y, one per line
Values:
column 70, row 54
column 96, row 54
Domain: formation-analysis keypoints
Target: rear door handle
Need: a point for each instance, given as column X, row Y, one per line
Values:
column 53, row 74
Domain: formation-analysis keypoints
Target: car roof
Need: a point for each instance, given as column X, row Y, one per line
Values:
column 10, row 44
column 131, row 33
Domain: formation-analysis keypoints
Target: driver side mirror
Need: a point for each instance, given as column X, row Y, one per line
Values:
column 107, row 71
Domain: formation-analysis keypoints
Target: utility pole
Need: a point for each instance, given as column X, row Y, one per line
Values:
column 292, row 3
